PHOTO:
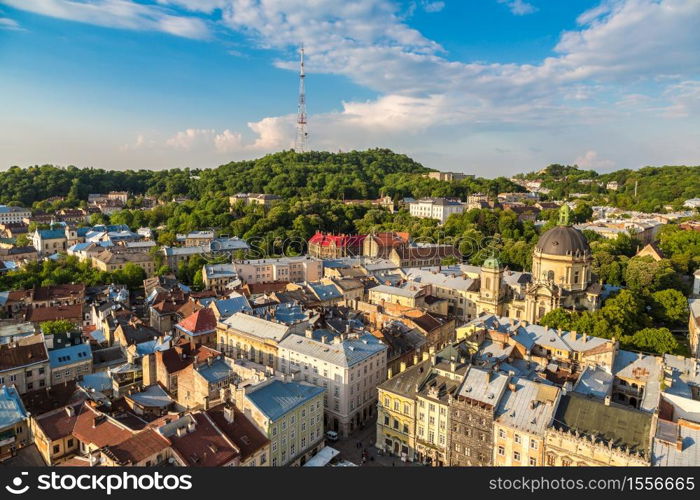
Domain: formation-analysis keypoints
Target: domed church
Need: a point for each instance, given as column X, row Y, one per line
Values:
column 561, row 277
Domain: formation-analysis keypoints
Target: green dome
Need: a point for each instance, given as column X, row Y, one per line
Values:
column 492, row 263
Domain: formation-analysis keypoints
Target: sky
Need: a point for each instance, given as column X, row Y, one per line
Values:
column 486, row 87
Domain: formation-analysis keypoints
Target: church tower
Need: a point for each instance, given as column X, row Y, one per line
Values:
column 490, row 294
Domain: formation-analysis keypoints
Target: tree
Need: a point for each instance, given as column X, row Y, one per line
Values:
column 557, row 318
column 132, row 275
column 644, row 275
column 57, row 327
column 669, row 306
column 656, row 340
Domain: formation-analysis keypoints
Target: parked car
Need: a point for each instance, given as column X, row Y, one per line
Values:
column 331, row 436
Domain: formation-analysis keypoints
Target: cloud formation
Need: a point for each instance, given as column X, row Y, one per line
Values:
column 625, row 59
column 122, row 14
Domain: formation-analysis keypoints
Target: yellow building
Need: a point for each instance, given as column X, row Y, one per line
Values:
column 249, row 337
column 112, row 261
column 396, row 414
column 291, row 416
column 523, row 415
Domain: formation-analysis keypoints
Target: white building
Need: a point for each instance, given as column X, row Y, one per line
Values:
column 435, row 208
column 9, row 215
column 292, row 269
column 350, row 369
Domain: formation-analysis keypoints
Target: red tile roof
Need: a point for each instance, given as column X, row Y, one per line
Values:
column 200, row 322
column 137, row 448
column 242, row 432
column 94, row 427
column 73, row 313
column 23, row 353
column 338, row 240
column 205, row 446
column 391, row 240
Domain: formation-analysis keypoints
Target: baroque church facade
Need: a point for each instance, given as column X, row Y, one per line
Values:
column 561, row 277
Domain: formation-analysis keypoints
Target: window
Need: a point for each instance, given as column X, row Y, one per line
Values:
column 501, row 451
column 565, row 462
column 516, row 456
column 550, row 460
column 517, row 438
column 501, row 433
column 533, row 461
column 56, row 449
column 386, row 419
column 533, row 444
column 70, row 443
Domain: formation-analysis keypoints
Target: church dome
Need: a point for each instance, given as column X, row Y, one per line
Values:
column 563, row 240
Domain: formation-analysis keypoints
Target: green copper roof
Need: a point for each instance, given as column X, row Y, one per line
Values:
column 565, row 215
column 492, row 263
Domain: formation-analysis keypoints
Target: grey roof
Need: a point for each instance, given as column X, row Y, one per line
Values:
column 407, row 382
column 440, row 279
column 484, row 386
column 278, row 398
column 563, row 240
column 257, row 327
column 152, row 396
column 645, row 368
column 393, row 290
column 666, row 452
column 594, row 381
column 530, row 407
column 347, row 353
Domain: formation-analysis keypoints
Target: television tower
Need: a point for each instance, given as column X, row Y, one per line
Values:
column 302, row 134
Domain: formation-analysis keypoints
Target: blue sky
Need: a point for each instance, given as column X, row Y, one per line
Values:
column 482, row 86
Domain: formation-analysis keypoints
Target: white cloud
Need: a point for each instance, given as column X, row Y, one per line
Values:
column 9, row 24
column 431, row 7
column 123, row 14
column 192, row 138
column 590, row 159
column 228, row 141
column 519, row 7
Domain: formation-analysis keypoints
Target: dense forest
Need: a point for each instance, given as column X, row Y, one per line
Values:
column 352, row 175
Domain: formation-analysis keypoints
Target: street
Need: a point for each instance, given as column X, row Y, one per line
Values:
column 349, row 450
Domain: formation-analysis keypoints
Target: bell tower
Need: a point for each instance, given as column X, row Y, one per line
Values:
column 490, row 287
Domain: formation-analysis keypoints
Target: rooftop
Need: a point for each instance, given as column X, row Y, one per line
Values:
column 278, row 398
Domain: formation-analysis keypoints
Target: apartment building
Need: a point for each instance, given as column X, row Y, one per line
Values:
column 291, row 269
column 349, row 369
column 291, row 416
column 24, row 363
column 246, row 336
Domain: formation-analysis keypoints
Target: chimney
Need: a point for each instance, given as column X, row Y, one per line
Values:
column 191, row 426
column 70, row 411
column 607, row 400
column 679, row 443
column 309, row 333
column 402, row 367
column 229, row 413
column 426, row 355
column 389, row 373
column 415, row 359
column 181, row 431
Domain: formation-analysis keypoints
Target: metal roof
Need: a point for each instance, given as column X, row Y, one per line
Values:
column 278, row 398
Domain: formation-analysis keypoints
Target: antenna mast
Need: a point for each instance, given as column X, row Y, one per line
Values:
column 302, row 134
